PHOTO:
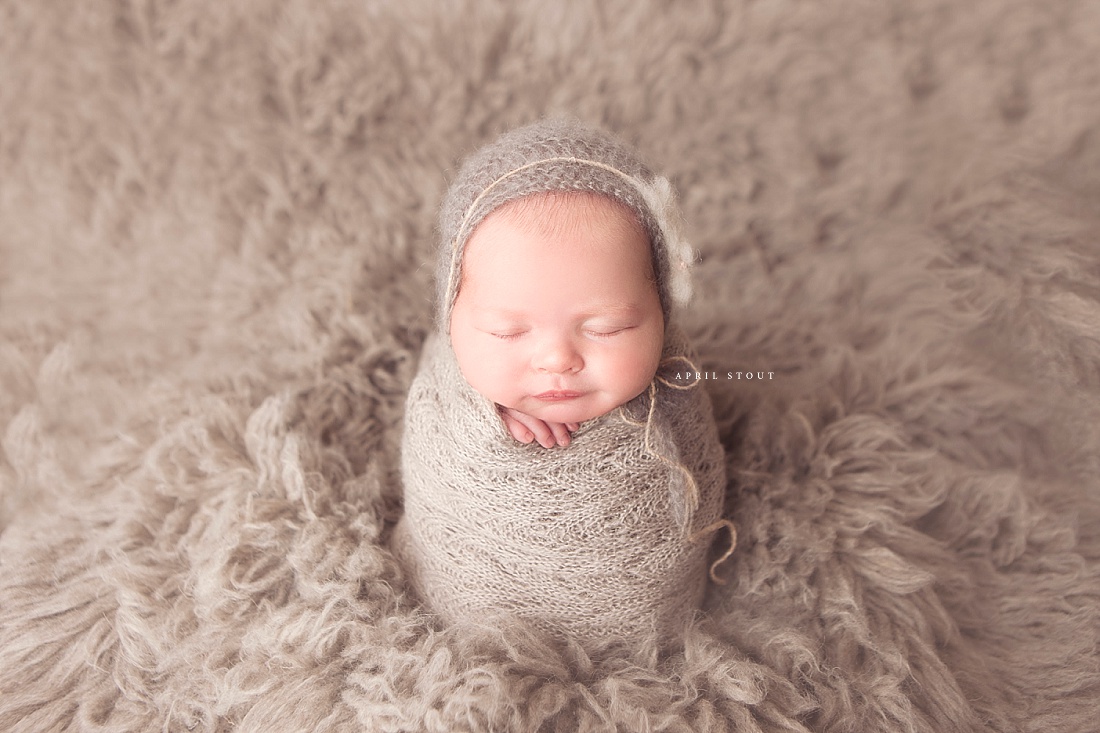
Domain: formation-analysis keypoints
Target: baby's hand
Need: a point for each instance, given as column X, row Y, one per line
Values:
column 525, row 428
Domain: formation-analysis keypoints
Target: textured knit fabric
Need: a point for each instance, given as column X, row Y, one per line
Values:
column 561, row 155
column 598, row 539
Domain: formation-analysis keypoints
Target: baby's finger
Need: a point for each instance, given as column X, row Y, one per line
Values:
column 572, row 426
column 561, row 433
column 537, row 427
column 543, row 434
column 516, row 428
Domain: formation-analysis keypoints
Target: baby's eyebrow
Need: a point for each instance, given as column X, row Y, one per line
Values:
column 613, row 309
column 588, row 311
column 501, row 312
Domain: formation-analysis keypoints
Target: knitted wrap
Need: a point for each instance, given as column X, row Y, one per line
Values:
column 606, row 539
column 561, row 155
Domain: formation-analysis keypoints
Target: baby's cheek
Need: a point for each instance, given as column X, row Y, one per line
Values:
column 632, row 373
column 476, row 366
column 499, row 378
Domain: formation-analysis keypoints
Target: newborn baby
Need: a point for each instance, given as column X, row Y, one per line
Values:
column 555, row 467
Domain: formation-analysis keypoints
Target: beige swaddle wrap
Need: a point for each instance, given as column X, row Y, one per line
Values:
column 606, row 539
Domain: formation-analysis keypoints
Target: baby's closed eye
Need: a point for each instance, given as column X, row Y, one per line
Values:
column 507, row 335
column 601, row 332
column 606, row 332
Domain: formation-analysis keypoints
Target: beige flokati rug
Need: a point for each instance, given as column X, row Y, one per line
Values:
column 216, row 232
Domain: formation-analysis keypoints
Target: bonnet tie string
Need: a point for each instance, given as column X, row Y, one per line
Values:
column 691, row 498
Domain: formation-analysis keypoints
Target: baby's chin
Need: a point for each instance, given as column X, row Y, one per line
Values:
column 568, row 411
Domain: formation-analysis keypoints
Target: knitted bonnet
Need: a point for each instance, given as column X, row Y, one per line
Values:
column 561, row 155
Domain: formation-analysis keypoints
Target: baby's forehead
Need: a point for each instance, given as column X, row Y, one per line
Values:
column 603, row 227
column 564, row 203
column 556, row 213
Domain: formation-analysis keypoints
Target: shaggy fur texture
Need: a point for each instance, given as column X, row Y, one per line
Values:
column 215, row 240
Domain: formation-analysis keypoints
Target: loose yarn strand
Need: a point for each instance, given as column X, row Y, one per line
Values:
column 692, row 493
column 691, row 368
column 729, row 551
column 692, row 497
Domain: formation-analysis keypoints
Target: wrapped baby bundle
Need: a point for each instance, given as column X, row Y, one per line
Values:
column 606, row 539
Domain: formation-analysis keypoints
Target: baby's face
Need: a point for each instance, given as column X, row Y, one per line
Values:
column 558, row 315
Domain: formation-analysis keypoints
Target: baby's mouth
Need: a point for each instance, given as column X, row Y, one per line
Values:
column 558, row 395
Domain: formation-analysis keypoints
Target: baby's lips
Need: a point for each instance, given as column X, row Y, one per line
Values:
column 556, row 395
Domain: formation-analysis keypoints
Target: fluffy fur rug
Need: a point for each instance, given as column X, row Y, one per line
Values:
column 216, row 221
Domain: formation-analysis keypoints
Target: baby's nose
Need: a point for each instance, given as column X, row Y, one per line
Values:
column 558, row 356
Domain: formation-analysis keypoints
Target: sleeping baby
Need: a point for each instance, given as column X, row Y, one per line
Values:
column 558, row 467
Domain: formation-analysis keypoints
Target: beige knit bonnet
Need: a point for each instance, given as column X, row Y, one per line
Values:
column 561, row 155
